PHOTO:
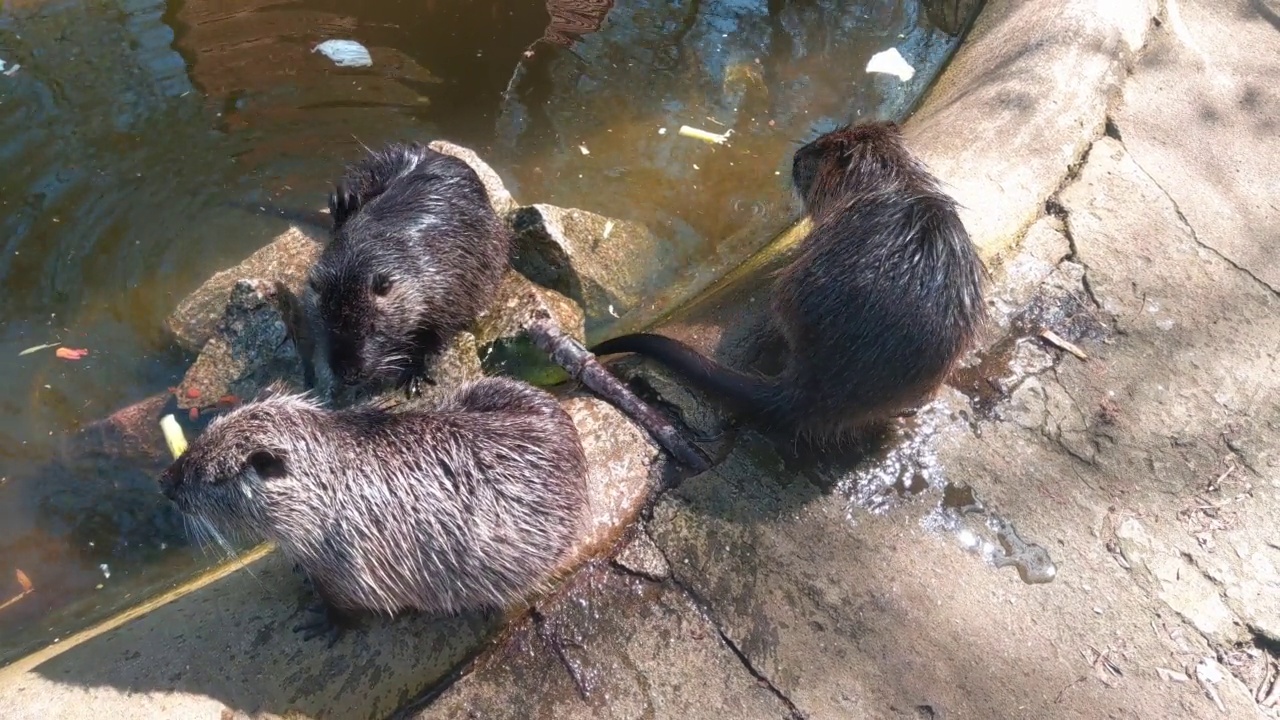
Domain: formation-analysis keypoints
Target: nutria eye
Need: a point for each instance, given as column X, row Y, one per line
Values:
column 381, row 284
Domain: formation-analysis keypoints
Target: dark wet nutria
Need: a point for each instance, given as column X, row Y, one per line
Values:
column 416, row 252
column 468, row 503
column 876, row 306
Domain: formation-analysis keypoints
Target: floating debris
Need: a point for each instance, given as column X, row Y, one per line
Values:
column 345, row 53
column 173, row 436
column 703, row 135
column 37, row 348
column 891, row 62
column 583, row 149
column 71, row 353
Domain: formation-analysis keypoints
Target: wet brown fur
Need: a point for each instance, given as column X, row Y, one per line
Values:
column 876, row 306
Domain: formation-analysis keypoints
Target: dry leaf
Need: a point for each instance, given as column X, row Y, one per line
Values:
column 23, row 580
column 71, row 353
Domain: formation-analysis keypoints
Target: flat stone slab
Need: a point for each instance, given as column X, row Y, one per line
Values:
column 1214, row 142
column 619, row 647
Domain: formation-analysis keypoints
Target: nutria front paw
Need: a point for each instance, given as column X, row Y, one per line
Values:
column 325, row 621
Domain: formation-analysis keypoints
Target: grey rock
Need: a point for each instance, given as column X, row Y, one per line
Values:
column 641, row 556
column 597, row 261
column 1039, row 76
column 624, row 465
column 501, row 199
column 504, row 346
column 250, row 347
column 287, row 259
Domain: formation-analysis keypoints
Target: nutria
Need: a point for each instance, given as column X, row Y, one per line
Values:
column 876, row 306
column 466, row 503
column 416, row 252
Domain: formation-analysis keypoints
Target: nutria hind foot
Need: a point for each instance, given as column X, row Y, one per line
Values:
column 326, row 621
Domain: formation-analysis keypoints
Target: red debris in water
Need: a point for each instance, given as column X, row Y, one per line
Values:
column 194, row 414
column 67, row 353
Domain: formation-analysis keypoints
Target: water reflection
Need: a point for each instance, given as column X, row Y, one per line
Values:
column 132, row 124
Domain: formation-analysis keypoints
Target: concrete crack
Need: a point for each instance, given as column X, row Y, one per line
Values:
column 1195, row 237
column 760, row 678
column 1059, row 211
column 793, row 712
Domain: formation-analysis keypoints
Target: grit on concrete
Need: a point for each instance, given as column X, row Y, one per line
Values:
column 1149, row 469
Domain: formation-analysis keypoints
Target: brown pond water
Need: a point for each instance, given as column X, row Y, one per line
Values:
column 131, row 128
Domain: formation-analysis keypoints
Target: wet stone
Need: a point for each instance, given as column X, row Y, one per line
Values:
column 287, row 259
column 504, row 346
column 129, row 434
column 642, row 557
column 623, row 464
column 595, row 260
column 499, row 197
column 250, row 347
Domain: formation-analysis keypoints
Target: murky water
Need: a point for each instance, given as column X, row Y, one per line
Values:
column 130, row 128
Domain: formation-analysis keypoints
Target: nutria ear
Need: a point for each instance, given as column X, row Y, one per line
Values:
column 269, row 465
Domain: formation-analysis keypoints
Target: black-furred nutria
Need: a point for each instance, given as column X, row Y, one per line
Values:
column 876, row 306
column 416, row 252
column 468, row 504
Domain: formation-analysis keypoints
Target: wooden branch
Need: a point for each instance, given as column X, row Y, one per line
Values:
column 576, row 360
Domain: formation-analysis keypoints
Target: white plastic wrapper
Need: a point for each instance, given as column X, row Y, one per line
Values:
column 345, row 53
column 891, row 62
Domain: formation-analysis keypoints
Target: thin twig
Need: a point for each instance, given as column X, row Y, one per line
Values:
column 576, row 360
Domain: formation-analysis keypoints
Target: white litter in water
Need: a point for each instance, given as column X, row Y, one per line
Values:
column 891, row 62
column 106, row 571
column 345, row 53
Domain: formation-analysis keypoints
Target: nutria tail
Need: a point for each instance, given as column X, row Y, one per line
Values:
column 745, row 392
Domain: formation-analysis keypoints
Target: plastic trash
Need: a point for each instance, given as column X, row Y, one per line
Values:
column 891, row 62
column 345, row 53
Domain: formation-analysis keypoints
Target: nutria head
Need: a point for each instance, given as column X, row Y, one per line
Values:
column 830, row 169
column 238, row 474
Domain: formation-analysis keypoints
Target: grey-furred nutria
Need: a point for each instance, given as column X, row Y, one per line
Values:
column 878, row 303
column 415, row 254
column 469, row 503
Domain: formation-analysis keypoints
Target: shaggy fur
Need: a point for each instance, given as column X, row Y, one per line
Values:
column 466, row 506
column 877, row 305
column 417, row 250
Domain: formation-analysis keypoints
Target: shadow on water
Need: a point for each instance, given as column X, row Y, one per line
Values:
column 130, row 128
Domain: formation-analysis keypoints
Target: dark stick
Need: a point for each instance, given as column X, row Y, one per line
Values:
column 585, row 368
